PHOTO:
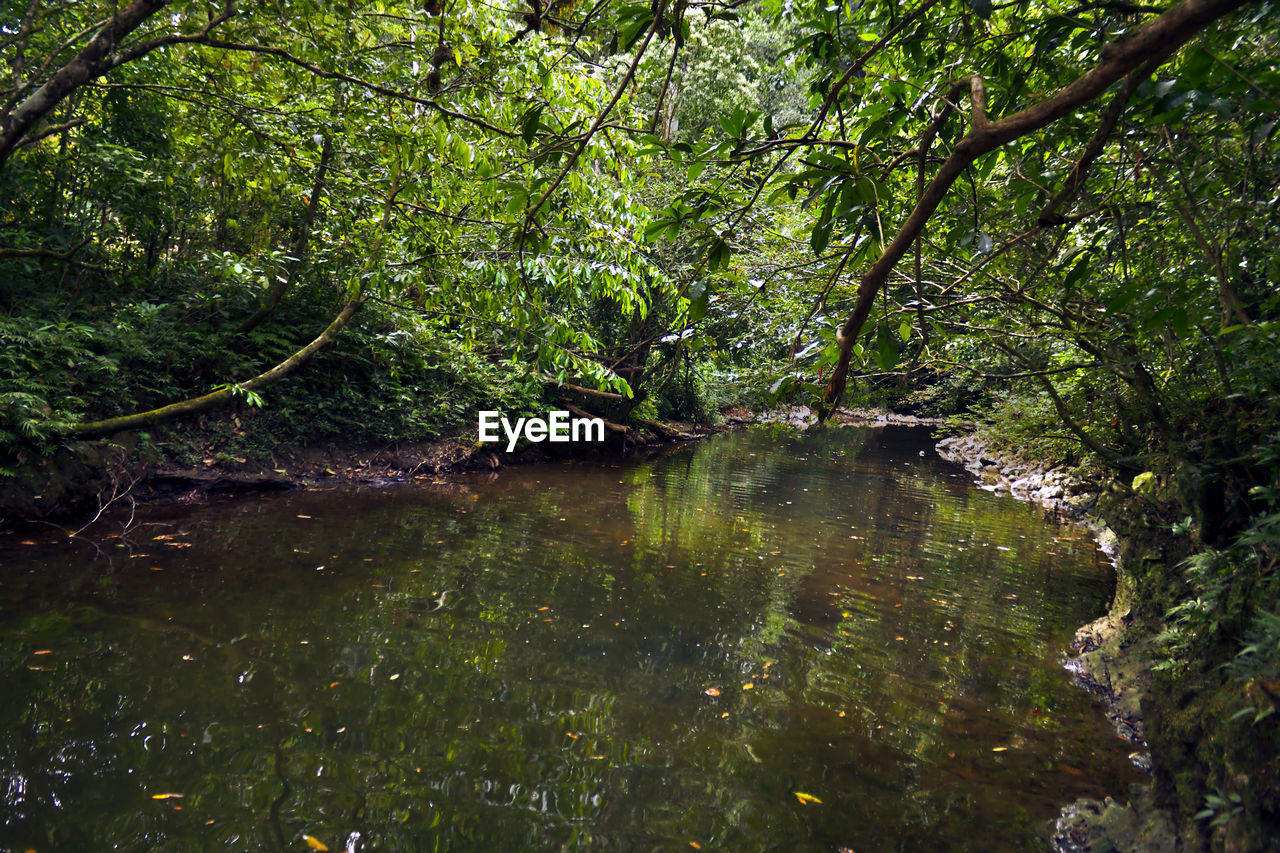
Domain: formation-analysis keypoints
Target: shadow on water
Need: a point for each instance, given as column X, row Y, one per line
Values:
column 767, row 641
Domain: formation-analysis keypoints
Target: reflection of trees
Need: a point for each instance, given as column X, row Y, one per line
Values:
column 470, row 670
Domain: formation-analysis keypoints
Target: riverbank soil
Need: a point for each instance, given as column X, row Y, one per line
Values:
column 222, row 455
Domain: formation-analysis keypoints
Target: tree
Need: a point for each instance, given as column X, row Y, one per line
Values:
column 440, row 165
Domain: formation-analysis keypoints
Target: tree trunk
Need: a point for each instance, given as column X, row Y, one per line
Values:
column 298, row 250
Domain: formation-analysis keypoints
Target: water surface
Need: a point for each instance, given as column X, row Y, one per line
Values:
column 766, row 641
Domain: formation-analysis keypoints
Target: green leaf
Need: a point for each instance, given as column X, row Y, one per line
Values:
column 886, row 347
column 699, row 299
column 654, row 229
column 820, row 237
column 719, row 256
column 1078, row 271
column 529, row 127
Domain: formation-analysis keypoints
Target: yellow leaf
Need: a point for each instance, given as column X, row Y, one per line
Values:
column 807, row 798
column 748, row 686
column 999, row 749
column 166, row 796
column 314, row 843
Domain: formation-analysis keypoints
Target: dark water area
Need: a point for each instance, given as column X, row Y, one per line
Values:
column 767, row 641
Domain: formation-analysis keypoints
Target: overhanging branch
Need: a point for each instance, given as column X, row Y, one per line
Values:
column 1151, row 43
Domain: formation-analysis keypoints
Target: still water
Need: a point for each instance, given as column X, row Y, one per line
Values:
column 766, row 641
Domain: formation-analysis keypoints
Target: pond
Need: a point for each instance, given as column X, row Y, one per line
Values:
column 765, row 641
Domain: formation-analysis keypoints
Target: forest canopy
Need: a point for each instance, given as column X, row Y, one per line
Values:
column 605, row 195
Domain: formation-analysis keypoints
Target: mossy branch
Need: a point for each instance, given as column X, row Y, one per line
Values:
column 222, row 396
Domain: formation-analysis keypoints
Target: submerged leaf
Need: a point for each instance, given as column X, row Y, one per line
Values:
column 805, row 799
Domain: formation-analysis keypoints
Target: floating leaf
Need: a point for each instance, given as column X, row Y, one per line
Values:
column 167, row 796
column 314, row 843
column 712, row 691
column 748, row 686
column 805, row 799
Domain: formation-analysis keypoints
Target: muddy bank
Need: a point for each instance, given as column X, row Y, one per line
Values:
column 203, row 460
column 81, row 480
column 1111, row 660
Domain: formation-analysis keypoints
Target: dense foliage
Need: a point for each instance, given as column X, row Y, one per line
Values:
column 373, row 219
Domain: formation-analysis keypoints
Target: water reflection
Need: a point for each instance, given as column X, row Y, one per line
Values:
column 630, row 658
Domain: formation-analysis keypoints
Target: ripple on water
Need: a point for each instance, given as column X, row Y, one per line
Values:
column 665, row 653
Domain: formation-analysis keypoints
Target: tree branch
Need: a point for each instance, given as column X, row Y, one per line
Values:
column 281, row 53
column 223, row 396
column 1153, row 42
column 1048, row 216
column 93, row 60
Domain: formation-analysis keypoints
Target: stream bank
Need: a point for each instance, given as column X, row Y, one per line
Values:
column 80, row 480
column 223, row 454
column 1114, row 659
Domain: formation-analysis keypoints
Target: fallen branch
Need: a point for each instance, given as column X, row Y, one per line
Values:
column 222, row 396
column 624, row 431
